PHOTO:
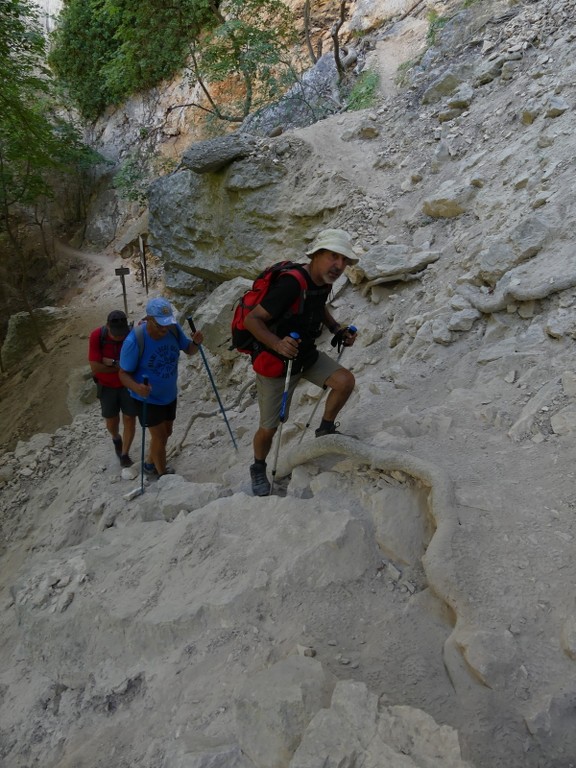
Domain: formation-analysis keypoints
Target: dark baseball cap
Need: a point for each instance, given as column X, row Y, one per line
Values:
column 118, row 323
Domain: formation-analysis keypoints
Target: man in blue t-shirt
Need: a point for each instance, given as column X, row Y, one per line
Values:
column 156, row 358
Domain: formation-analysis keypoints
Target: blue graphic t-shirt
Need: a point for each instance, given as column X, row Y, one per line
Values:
column 159, row 361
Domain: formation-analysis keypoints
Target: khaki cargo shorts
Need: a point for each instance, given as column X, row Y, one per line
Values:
column 270, row 391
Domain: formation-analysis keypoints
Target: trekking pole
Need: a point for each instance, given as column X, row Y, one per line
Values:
column 283, row 406
column 193, row 329
column 352, row 330
column 139, row 491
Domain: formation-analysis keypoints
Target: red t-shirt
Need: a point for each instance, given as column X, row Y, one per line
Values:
column 108, row 348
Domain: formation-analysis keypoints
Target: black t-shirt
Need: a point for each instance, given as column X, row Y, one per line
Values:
column 307, row 323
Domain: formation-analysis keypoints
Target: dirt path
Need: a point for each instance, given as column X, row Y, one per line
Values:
column 405, row 43
column 43, row 394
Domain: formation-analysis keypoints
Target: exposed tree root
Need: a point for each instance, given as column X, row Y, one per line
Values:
column 176, row 449
column 440, row 555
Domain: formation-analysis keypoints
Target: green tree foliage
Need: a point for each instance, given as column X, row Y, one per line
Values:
column 252, row 46
column 33, row 139
column 153, row 40
column 82, row 44
column 105, row 50
column 23, row 129
column 138, row 169
column 435, row 24
column 35, row 145
column 364, row 91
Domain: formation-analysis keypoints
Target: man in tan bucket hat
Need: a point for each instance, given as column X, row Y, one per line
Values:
column 335, row 240
column 271, row 323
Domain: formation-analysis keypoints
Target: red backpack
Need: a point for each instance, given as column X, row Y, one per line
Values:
column 242, row 340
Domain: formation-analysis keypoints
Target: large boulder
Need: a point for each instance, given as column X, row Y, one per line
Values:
column 245, row 216
column 275, row 706
column 214, row 154
column 22, row 334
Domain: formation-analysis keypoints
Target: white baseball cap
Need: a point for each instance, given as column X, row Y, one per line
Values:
column 335, row 240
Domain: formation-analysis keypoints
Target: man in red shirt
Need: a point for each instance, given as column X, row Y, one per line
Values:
column 104, row 358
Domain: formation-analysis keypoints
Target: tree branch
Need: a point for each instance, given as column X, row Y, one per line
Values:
column 334, row 35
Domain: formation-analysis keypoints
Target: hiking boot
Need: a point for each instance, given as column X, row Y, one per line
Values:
column 117, row 446
column 150, row 469
column 332, row 430
column 260, row 483
column 125, row 460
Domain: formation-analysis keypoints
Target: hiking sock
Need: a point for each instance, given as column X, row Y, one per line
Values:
column 117, row 445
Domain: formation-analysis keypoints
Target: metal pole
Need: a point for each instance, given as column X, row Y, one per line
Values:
column 143, row 264
column 121, row 271
column 283, row 407
column 205, row 361
column 139, row 491
column 124, row 295
column 143, row 447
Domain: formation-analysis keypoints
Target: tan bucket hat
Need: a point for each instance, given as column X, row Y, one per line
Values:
column 335, row 240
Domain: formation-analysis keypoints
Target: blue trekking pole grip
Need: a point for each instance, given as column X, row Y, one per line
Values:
column 339, row 337
column 208, row 371
column 352, row 329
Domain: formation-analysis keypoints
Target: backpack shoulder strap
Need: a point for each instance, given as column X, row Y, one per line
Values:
column 289, row 268
column 297, row 271
column 139, row 333
column 103, row 335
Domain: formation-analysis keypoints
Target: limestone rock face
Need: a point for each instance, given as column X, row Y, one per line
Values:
column 368, row 14
column 275, row 706
column 392, row 263
column 355, row 729
column 219, row 225
column 451, row 200
column 212, row 156
column 214, row 315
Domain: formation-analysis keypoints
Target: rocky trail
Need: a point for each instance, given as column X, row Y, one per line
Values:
column 408, row 597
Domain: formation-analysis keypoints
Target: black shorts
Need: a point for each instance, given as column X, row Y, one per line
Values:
column 156, row 414
column 116, row 399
